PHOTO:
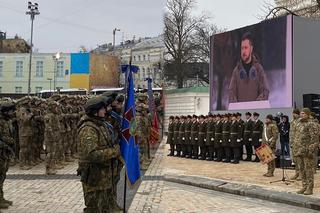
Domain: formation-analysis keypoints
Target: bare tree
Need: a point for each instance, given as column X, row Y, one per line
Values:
column 180, row 29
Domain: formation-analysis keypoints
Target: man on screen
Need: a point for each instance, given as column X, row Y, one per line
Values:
column 248, row 81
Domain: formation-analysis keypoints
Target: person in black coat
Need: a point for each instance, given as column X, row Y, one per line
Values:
column 284, row 128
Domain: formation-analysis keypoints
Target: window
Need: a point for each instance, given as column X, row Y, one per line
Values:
column 18, row 90
column 143, row 73
column 149, row 73
column 19, row 68
column 144, row 57
column 139, row 57
column 0, row 89
column 1, row 68
column 60, row 69
column 38, row 89
column 134, row 58
column 39, row 69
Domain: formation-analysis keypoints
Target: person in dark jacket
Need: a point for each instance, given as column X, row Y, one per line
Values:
column 284, row 129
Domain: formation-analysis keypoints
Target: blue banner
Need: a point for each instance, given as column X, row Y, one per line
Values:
column 129, row 145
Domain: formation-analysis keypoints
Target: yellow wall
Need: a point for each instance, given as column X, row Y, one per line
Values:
column 79, row 81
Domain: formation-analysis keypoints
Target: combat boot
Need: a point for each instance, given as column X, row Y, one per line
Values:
column 301, row 191
column 4, row 205
column 295, row 177
column 309, row 191
column 268, row 174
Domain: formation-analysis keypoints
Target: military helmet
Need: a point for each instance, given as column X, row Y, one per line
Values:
column 95, row 103
column 7, row 106
column 55, row 97
column 23, row 101
column 142, row 97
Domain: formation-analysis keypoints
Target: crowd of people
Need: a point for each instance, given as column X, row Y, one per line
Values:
column 63, row 128
column 223, row 137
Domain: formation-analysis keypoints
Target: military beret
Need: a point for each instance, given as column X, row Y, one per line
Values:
column 177, row 117
column 234, row 115
column 239, row 114
column 201, row 116
column 218, row 116
column 248, row 113
column 189, row 116
column 110, row 94
column 194, row 116
column 256, row 114
column 171, row 117
column 210, row 116
column 296, row 111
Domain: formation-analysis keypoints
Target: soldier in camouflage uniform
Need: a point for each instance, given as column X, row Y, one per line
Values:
column 96, row 151
column 142, row 129
column 306, row 141
column 6, row 142
column 170, row 136
column 292, row 133
column 50, row 120
column 269, row 137
column 315, row 154
column 24, row 117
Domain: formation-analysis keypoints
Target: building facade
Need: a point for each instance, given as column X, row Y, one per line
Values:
column 72, row 70
column 14, row 72
column 146, row 53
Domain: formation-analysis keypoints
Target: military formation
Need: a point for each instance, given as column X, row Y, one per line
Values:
column 224, row 138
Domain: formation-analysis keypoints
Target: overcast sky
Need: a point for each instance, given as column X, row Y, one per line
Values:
column 65, row 25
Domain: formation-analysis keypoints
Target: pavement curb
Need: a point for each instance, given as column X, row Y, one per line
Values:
column 246, row 190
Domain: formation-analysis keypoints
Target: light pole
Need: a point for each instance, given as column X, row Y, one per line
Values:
column 32, row 11
column 55, row 57
column 50, row 79
column 114, row 37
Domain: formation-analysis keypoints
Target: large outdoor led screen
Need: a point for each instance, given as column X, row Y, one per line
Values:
column 251, row 67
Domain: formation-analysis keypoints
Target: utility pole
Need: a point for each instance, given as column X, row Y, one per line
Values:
column 114, row 37
column 56, row 58
column 32, row 11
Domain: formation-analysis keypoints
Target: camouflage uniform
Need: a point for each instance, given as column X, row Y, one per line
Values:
column 306, row 141
column 96, row 151
column 6, row 142
column 293, row 147
column 142, row 130
column 50, row 121
column 269, row 137
column 24, row 116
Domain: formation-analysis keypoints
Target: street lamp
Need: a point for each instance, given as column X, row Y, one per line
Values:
column 32, row 11
column 114, row 37
column 55, row 57
column 50, row 79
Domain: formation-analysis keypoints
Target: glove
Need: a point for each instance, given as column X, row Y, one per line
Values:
column 260, row 140
column 212, row 139
column 196, row 139
column 220, row 141
column 229, row 140
column 238, row 140
column 44, row 147
column 189, row 138
column 183, row 138
column 250, row 139
column 205, row 139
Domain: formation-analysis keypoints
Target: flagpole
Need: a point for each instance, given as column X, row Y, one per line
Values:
column 125, row 192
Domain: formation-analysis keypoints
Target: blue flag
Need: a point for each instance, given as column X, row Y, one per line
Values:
column 150, row 96
column 128, row 143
